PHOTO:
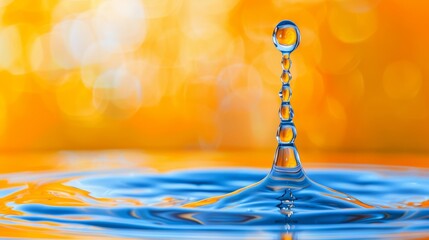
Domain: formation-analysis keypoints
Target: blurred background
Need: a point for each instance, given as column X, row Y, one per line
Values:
column 204, row 75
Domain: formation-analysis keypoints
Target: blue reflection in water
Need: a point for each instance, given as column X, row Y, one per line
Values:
column 140, row 204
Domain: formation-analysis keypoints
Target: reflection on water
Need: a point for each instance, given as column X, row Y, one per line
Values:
column 138, row 202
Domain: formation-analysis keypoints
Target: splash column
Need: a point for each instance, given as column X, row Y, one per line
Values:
column 286, row 38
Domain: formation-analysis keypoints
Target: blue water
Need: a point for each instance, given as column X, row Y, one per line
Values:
column 379, row 204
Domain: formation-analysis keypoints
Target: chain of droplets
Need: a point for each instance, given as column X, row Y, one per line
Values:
column 286, row 38
column 286, row 153
column 286, row 133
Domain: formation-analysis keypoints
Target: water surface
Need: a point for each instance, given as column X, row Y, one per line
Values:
column 139, row 202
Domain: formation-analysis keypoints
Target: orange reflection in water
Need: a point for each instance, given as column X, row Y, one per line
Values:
column 18, row 231
column 54, row 193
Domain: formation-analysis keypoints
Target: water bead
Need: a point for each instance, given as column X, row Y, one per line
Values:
column 285, row 93
column 286, row 62
column 286, row 112
column 286, row 134
column 285, row 77
column 286, row 36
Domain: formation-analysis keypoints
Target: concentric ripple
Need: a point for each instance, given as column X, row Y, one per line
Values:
column 139, row 204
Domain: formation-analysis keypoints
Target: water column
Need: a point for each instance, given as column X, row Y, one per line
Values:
column 286, row 38
column 286, row 187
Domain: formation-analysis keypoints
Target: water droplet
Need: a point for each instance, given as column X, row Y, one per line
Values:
column 286, row 62
column 285, row 93
column 285, row 77
column 286, row 112
column 286, row 36
column 286, row 133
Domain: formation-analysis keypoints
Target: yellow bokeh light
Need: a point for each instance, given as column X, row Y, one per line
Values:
column 351, row 27
column 93, row 73
column 402, row 80
column 10, row 47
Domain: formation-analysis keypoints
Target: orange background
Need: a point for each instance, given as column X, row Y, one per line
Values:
column 88, row 74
